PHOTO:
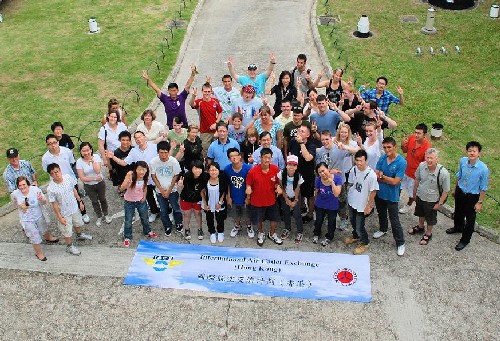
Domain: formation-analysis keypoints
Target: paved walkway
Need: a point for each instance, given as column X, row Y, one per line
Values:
column 431, row 293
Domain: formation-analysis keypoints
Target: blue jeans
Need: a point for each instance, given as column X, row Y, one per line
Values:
column 358, row 225
column 321, row 214
column 173, row 201
column 385, row 207
column 129, row 208
column 288, row 212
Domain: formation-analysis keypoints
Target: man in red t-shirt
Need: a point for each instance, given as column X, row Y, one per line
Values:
column 415, row 147
column 262, row 184
column 210, row 112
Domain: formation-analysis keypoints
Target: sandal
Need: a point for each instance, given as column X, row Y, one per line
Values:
column 416, row 229
column 425, row 239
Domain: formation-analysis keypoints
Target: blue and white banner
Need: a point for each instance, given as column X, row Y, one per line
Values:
column 309, row 275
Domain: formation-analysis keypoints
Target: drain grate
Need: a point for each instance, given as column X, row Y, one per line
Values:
column 408, row 19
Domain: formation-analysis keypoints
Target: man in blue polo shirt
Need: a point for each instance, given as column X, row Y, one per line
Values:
column 257, row 80
column 390, row 170
column 472, row 184
column 217, row 151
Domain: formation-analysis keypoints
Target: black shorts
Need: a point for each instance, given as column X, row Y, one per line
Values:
column 425, row 209
column 259, row 214
column 307, row 188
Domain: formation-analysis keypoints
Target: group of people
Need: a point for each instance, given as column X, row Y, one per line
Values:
column 309, row 157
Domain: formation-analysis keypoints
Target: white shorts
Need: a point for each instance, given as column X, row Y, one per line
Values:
column 72, row 220
column 35, row 229
column 407, row 184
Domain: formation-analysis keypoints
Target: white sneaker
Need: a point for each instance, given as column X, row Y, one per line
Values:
column 405, row 209
column 315, row 239
column 98, row 222
column 86, row 218
column 220, row 237
column 401, row 250
column 344, row 224
column 108, row 219
column 250, row 231
column 234, row 231
column 261, row 237
column 73, row 250
column 83, row 236
column 378, row 234
column 152, row 218
column 213, row 238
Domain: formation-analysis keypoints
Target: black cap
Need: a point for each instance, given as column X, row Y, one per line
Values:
column 12, row 152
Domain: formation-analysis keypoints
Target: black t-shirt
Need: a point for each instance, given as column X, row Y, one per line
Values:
column 191, row 192
column 347, row 106
column 192, row 152
column 119, row 172
column 66, row 141
column 306, row 168
column 248, row 149
column 290, row 93
column 358, row 122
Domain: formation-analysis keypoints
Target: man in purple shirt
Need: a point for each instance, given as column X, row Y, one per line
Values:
column 174, row 102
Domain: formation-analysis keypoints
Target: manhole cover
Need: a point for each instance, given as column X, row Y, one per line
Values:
column 408, row 19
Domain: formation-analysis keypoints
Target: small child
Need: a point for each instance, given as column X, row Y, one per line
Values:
column 250, row 145
column 235, row 130
column 327, row 187
column 290, row 181
column 190, row 186
column 135, row 184
column 213, row 196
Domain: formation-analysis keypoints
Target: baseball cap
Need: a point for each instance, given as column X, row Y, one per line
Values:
column 12, row 152
column 293, row 159
column 252, row 67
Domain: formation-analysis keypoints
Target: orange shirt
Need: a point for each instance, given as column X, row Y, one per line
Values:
column 415, row 155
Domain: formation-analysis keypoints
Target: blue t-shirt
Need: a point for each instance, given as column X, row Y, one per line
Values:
column 259, row 84
column 325, row 198
column 395, row 169
column 237, row 183
column 329, row 121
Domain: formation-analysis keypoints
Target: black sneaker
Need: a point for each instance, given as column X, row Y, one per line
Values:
column 179, row 228
column 187, row 234
column 200, row 234
column 168, row 232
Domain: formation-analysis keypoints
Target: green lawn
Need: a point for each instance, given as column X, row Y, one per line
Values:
column 458, row 90
column 51, row 69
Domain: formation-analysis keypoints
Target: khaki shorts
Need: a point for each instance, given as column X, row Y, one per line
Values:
column 75, row 220
column 407, row 184
column 206, row 139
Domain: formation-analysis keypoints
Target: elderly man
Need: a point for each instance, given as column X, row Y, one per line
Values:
column 258, row 81
column 382, row 96
column 432, row 184
column 17, row 168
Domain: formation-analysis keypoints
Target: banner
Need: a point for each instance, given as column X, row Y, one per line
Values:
column 308, row 275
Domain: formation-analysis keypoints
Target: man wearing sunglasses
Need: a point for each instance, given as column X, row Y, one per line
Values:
column 257, row 80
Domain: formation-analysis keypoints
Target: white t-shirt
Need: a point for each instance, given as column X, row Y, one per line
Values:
column 247, row 109
column 112, row 141
column 363, row 183
column 88, row 169
column 156, row 129
column 165, row 171
column 64, row 159
column 34, row 211
column 289, row 184
column 374, row 151
column 63, row 194
column 226, row 100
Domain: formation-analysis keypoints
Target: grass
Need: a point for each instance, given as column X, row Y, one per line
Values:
column 52, row 70
column 459, row 90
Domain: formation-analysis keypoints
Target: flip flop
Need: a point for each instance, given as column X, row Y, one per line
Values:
column 41, row 259
column 416, row 229
column 52, row 241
